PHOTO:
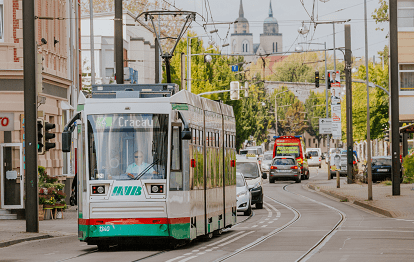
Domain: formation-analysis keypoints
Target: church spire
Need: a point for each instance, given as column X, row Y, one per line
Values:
column 270, row 9
column 241, row 12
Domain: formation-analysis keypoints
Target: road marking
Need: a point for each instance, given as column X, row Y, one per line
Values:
column 188, row 258
column 264, row 226
column 225, row 239
column 186, row 254
column 196, row 250
column 270, row 222
column 261, row 222
column 173, row 259
column 255, row 226
column 237, row 238
column 267, row 218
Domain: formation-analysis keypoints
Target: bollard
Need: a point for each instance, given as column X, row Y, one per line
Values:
column 338, row 184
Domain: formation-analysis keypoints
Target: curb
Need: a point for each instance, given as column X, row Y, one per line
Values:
column 356, row 202
column 17, row 241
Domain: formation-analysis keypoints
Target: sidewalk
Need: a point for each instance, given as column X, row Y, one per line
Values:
column 14, row 231
column 383, row 202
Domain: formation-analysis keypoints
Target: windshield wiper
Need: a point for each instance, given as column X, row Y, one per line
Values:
column 146, row 169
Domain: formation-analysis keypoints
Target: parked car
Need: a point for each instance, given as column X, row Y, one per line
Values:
column 267, row 161
column 381, row 167
column 250, row 168
column 244, row 197
column 315, row 157
column 284, row 167
column 343, row 166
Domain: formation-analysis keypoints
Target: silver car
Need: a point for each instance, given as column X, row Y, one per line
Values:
column 284, row 168
column 266, row 161
column 244, row 197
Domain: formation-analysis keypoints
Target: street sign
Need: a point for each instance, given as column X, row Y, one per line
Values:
column 325, row 126
column 235, row 68
column 336, row 130
column 6, row 121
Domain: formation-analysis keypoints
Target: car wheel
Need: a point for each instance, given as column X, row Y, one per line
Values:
column 248, row 212
column 319, row 166
column 271, row 180
column 259, row 205
column 298, row 180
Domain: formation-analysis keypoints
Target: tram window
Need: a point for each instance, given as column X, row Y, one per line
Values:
column 194, row 135
column 175, row 149
column 201, row 138
column 225, row 140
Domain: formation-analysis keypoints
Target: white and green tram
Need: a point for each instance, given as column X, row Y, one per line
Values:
column 152, row 163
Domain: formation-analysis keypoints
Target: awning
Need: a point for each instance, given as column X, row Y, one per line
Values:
column 66, row 106
column 407, row 129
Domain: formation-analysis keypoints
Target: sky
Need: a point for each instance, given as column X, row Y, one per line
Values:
column 290, row 15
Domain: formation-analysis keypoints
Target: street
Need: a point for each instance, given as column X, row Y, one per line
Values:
column 296, row 224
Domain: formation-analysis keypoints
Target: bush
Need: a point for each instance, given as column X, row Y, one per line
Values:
column 408, row 165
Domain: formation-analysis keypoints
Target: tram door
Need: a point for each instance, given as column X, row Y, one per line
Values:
column 12, row 179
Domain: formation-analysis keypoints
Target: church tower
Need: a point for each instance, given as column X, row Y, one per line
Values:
column 271, row 40
column 241, row 39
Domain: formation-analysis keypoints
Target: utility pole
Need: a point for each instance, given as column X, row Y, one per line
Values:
column 328, row 138
column 395, row 112
column 119, row 43
column 188, row 63
column 92, row 42
column 157, row 62
column 348, row 79
column 30, row 116
column 276, row 133
column 182, row 71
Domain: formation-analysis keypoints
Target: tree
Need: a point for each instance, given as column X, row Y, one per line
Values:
column 379, row 104
column 380, row 14
column 316, row 108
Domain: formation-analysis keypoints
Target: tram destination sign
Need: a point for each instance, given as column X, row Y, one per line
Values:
column 116, row 121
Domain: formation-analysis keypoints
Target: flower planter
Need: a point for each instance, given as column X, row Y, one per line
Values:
column 41, row 213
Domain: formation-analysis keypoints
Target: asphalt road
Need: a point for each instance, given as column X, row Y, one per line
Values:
column 294, row 225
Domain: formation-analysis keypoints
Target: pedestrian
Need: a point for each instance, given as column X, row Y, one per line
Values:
column 74, row 195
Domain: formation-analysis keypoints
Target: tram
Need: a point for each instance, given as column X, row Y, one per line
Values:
column 152, row 163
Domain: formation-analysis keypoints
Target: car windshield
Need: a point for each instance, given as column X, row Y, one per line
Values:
column 313, row 153
column 268, row 157
column 239, row 181
column 287, row 151
column 127, row 146
column 381, row 162
column 283, row 162
column 248, row 169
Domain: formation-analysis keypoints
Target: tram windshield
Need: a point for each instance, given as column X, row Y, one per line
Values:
column 127, row 146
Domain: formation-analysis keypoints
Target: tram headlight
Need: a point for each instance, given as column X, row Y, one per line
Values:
column 157, row 189
column 98, row 190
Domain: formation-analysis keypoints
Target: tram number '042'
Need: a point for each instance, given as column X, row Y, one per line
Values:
column 104, row 228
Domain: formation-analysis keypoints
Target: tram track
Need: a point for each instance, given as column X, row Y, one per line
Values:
column 315, row 248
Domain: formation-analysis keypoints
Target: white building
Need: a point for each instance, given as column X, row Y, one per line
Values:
column 139, row 48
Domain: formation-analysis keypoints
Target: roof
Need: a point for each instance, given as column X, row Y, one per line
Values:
column 270, row 20
column 407, row 129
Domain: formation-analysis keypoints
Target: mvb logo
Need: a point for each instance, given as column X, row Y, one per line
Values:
column 127, row 191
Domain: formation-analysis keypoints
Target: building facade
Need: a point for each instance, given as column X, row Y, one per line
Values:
column 139, row 48
column 406, row 59
column 271, row 40
column 56, row 46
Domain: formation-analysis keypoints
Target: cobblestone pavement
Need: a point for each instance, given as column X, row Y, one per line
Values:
column 383, row 202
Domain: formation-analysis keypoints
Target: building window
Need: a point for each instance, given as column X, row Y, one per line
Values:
column 109, row 72
column 407, row 77
column 309, row 140
column 405, row 15
column 246, row 47
column 1, row 22
column 276, row 47
column 273, row 47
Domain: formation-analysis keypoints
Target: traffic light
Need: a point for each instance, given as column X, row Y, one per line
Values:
column 329, row 82
column 48, row 126
column 40, row 137
column 387, row 135
column 316, row 79
column 246, row 89
column 234, row 90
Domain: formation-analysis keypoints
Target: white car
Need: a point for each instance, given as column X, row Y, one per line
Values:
column 266, row 161
column 244, row 197
column 315, row 157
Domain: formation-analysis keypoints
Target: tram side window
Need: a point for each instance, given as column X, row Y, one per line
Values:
column 176, row 149
column 176, row 179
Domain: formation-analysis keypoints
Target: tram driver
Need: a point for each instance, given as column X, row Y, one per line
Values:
column 134, row 169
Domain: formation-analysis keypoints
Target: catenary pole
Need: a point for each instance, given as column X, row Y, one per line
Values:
column 328, row 138
column 395, row 132
column 349, row 131
column 119, row 43
column 92, row 42
column 368, row 118
column 30, row 116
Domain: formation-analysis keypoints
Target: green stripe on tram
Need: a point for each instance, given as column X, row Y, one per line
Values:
column 178, row 231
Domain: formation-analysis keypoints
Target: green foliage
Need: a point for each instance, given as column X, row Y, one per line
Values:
column 408, row 164
column 380, row 14
column 316, row 108
column 379, row 105
column 252, row 119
